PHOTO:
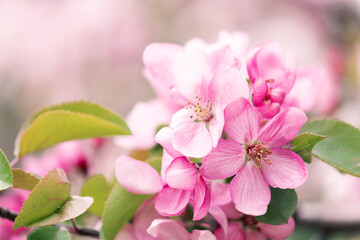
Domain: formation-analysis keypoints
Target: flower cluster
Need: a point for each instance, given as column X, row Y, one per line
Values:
column 229, row 120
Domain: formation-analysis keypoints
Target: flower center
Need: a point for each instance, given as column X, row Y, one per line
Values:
column 258, row 153
column 274, row 94
column 201, row 110
column 249, row 221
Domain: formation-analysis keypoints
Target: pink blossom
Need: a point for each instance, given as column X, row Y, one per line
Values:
column 249, row 229
column 255, row 156
column 207, row 95
column 271, row 79
column 164, row 229
column 183, row 183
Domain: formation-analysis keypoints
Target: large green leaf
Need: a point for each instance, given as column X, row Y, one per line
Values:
column 121, row 206
column 99, row 189
column 304, row 143
column 24, row 180
column 6, row 178
column 341, row 148
column 49, row 233
column 68, row 121
column 47, row 197
column 281, row 207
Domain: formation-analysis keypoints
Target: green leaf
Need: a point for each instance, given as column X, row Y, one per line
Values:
column 121, row 206
column 341, row 148
column 67, row 121
column 304, row 143
column 119, row 209
column 47, row 197
column 99, row 189
column 74, row 207
column 49, row 233
column 281, row 207
column 6, row 178
column 24, row 180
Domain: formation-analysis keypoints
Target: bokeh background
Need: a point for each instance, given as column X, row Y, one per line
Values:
column 57, row 50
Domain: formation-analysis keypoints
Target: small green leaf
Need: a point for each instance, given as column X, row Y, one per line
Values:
column 47, row 197
column 99, row 189
column 119, row 209
column 281, row 207
column 341, row 148
column 121, row 206
column 74, row 207
column 6, row 178
column 68, row 121
column 24, row 180
column 304, row 143
column 49, row 233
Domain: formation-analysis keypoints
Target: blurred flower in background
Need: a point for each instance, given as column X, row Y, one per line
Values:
column 53, row 51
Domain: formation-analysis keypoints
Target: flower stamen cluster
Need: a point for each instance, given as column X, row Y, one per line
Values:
column 258, row 153
column 201, row 110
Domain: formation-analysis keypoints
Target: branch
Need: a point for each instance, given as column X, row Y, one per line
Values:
column 6, row 213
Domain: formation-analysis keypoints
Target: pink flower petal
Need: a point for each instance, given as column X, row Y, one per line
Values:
column 216, row 125
column 192, row 72
column 223, row 161
column 242, row 122
column 281, row 129
column 201, row 199
column 219, row 215
column 255, row 235
column 163, row 137
column 127, row 233
column 287, row 169
column 202, row 235
column 158, row 58
column 227, row 87
column 143, row 124
column 249, row 191
column 220, row 193
column 268, row 110
column 136, row 176
column 235, row 232
column 171, row 202
column 165, row 229
column 143, row 219
column 278, row 232
column 181, row 174
column 165, row 163
column 192, row 139
column 259, row 92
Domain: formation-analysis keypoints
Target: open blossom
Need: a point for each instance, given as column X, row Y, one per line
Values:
column 271, row 79
column 255, row 156
column 207, row 95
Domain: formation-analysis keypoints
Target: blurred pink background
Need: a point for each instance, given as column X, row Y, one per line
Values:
column 52, row 51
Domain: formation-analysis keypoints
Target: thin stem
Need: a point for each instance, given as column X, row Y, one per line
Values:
column 10, row 215
column 14, row 162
